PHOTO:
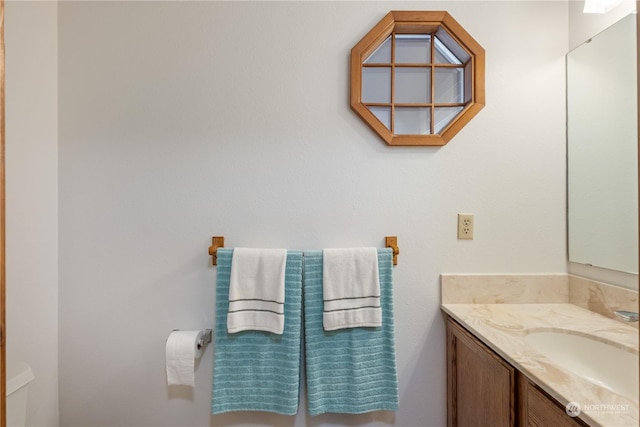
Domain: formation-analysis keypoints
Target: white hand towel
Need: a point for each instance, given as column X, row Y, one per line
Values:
column 256, row 290
column 351, row 288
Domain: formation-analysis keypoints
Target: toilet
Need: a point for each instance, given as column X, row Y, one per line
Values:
column 19, row 375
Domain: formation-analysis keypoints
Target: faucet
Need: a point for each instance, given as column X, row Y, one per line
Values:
column 627, row 316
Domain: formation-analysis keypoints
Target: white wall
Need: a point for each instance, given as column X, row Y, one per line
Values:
column 179, row 121
column 32, row 200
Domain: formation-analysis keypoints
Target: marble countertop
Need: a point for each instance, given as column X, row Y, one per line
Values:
column 503, row 327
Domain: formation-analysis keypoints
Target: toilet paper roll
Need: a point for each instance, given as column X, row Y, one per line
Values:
column 181, row 352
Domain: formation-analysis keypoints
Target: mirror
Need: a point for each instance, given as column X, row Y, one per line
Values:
column 602, row 149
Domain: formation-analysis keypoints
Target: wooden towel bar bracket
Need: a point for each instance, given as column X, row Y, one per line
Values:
column 392, row 242
column 218, row 242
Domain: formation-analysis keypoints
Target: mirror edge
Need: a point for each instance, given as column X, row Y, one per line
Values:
column 638, row 88
column 3, row 400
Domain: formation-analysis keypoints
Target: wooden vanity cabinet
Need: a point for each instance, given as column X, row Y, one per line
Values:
column 481, row 386
column 485, row 390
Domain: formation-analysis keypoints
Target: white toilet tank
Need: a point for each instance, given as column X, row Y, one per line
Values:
column 19, row 375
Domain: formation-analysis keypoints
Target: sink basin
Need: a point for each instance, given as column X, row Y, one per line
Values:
column 605, row 364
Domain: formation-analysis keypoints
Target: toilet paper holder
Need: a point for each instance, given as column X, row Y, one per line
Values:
column 207, row 335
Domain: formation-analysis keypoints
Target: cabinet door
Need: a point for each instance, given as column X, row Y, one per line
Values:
column 480, row 384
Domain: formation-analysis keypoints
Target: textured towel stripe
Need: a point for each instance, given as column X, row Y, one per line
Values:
column 239, row 305
column 349, row 370
column 352, row 303
column 255, row 370
column 239, row 310
column 347, row 298
column 255, row 320
column 364, row 307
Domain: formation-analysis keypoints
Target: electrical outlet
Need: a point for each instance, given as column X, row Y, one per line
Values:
column 465, row 226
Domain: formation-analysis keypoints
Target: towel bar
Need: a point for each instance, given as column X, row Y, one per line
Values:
column 218, row 242
column 392, row 242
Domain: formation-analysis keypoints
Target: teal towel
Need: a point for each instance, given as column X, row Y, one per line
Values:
column 349, row 371
column 256, row 370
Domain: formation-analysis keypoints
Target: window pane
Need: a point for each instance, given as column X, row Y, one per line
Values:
column 412, row 121
column 376, row 84
column 443, row 116
column 382, row 55
column 413, row 49
column 448, row 51
column 449, row 87
column 383, row 114
column 412, row 85
column 468, row 75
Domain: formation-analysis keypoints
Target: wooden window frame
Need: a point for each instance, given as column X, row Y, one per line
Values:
column 417, row 22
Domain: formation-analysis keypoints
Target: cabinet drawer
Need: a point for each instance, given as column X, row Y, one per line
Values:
column 537, row 409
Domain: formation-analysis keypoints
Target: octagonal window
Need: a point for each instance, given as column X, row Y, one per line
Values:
column 417, row 78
